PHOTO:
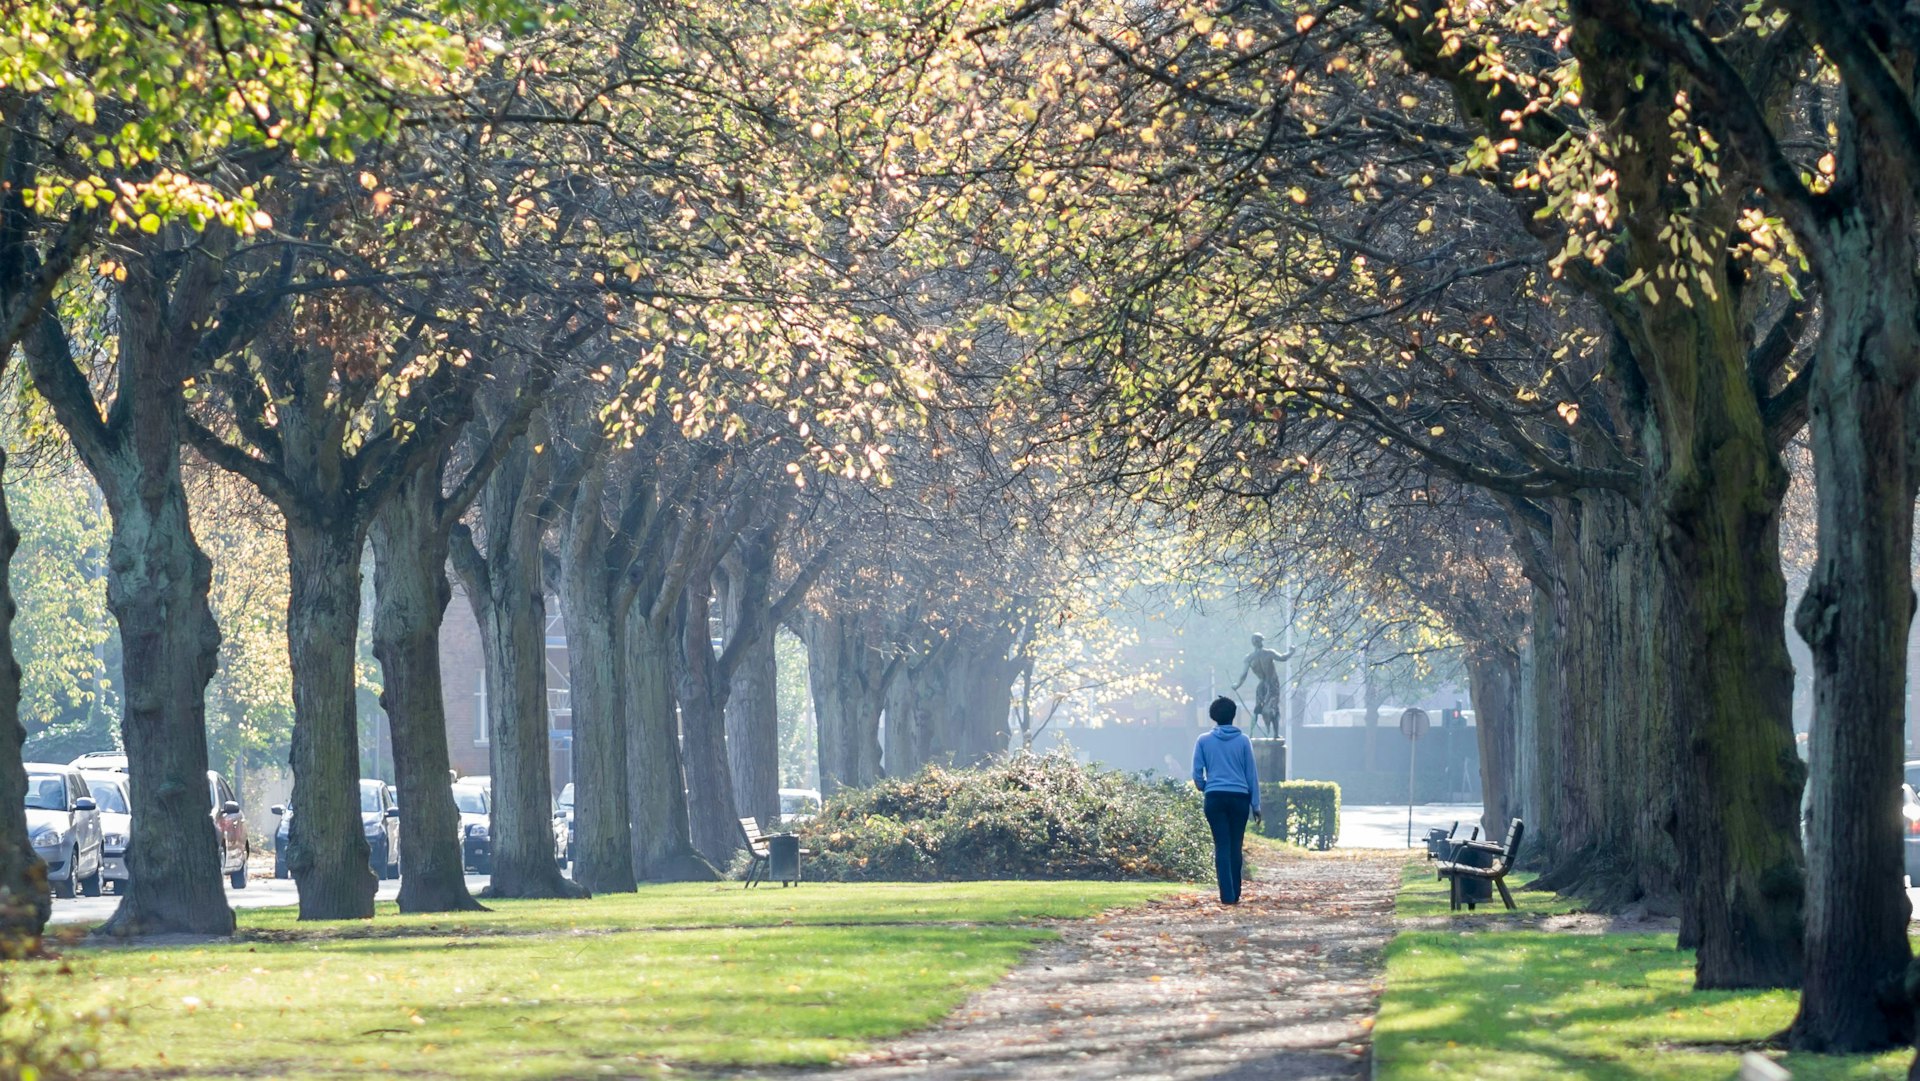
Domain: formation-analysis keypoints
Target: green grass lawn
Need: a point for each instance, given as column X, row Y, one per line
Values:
column 695, row 975
column 1494, row 1001
column 1507, row 1005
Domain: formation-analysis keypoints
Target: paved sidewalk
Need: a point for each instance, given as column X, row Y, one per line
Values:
column 1283, row 987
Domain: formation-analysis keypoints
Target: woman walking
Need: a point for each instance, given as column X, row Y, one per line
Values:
column 1223, row 770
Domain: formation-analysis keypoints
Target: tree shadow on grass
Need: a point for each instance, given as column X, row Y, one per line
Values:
column 1526, row 1004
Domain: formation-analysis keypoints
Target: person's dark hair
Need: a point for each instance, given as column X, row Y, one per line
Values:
column 1222, row 710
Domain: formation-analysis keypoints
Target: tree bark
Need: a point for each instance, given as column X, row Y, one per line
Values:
column 662, row 848
column 411, row 593
column 753, row 721
column 157, row 585
column 848, row 676
column 1858, row 609
column 703, row 697
column 504, row 586
column 1738, row 776
column 1716, row 481
column 914, row 713
column 603, row 837
column 25, row 900
column 327, row 847
column 1493, row 682
column 980, row 696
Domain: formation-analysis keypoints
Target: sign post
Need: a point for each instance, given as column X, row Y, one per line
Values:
column 1413, row 724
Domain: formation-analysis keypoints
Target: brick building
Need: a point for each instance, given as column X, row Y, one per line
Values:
column 463, row 681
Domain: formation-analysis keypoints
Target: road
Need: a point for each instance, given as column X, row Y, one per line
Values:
column 260, row 893
column 1386, row 826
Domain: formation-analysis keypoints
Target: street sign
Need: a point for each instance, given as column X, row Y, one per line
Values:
column 1414, row 723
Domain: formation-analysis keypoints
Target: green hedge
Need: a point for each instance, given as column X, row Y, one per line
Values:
column 1304, row 812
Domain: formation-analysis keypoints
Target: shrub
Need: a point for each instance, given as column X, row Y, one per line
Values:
column 1032, row 816
column 1304, row 812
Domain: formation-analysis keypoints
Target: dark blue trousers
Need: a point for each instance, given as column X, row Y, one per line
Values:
column 1227, row 816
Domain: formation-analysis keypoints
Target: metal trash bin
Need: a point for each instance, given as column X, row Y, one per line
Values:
column 1474, row 891
column 1438, row 843
column 783, row 858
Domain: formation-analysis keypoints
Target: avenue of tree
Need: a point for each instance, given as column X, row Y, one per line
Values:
column 897, row 324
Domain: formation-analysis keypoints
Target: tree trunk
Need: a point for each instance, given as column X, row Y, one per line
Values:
column 411, row 593
column 506, row 588
column 753, row 734
column 327, row 846
column 1738, row 776
column 715, row 828
column 1716, row 481
column 603, row 837
column 1370, row 697
column 157, row 586
column 25, row 901
column 848, row 677
column 980, row 696
column 1855, row 617
column 914, row 714
column 1610, row 770
column 1493, row 681
column 657, row 789
column 513, row 618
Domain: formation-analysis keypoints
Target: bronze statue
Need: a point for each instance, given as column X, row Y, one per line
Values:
column 1264, row 664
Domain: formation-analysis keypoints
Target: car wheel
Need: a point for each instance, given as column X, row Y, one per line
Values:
column 238, row 879
column 379, row 861
column 64, row 888
column 90, row 885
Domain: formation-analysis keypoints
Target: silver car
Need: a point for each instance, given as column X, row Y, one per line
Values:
column 63, row 824
column 116, row 824
column 476, row 821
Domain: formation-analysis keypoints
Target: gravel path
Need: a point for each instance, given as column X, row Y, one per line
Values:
column 1284, row 987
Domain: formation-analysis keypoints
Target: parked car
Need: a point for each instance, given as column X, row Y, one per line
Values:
column 1910, row 818
column 100, row 762
column 798, row 804
column 110, row 798
column 379, row 818
column 476, row 825
column 231, row 827
column 380, row 815
column 63, row 823
column 563, row 824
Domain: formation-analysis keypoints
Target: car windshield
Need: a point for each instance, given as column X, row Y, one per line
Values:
column 370, row 798
column 470, row 801
column 794, row 805
column 566, row 796
column 47, row 791
column 110, row 797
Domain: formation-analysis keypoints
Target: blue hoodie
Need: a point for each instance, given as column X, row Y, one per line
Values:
column 1223, row 762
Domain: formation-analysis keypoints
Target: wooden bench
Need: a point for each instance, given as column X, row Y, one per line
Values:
column 761, row 856
column 1453, row 871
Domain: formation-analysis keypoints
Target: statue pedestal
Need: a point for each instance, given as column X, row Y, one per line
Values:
column 1270, row 759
